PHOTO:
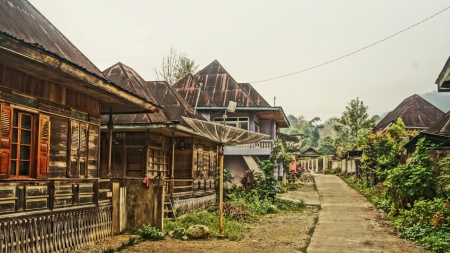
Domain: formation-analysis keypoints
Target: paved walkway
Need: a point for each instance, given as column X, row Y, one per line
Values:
column 349, row 223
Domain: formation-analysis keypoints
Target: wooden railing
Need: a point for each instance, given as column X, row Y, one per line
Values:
column 265, row 144
column 188, row 187
column 56, row 215
column 60, row 231
column 31, row 195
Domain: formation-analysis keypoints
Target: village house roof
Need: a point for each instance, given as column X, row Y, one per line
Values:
column 160, row 92
column 416, row 113
column 219, row 88
column 442, row 126
column 174, row 106
column 443, row 80
column 30, row 43
column 128, row 79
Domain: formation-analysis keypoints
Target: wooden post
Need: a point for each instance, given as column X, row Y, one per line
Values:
column 115, row 208
column 110, row 132
column 221, row 191
column 172, row 172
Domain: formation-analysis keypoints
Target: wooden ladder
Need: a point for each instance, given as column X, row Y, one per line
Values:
column 168, row 208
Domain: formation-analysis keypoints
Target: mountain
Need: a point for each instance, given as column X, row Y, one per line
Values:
column 439, row 99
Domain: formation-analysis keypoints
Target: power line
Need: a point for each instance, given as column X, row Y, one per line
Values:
column 354, row 52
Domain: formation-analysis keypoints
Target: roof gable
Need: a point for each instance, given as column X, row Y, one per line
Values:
column 128, row 79
column 221, row 86
column 20, row 20
column 442, row 126
column 174, row 106
column 415, row 112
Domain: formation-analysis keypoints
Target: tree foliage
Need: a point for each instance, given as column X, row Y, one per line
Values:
column 356, row 117
column 382, row 149
column 175, row 66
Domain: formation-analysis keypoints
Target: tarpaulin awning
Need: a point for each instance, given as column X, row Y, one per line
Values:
column 224, row 134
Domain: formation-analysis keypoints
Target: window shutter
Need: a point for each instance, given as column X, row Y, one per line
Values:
column 5, row 139
column 43, row 146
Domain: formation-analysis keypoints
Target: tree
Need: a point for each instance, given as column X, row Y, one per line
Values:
column 356, row 117
column 174, row 67
column 383, row 149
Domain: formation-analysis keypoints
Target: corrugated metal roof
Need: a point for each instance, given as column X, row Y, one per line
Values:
column 442, row 126
column 219, row 87
column 20, row 20
column 174, row 106
column 188, row 88
column 128, row 79
column 254, row 95
column 415, row 112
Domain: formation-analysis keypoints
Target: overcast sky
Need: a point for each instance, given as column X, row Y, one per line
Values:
column 259, row 39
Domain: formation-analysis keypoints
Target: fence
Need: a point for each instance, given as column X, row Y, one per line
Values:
column 61, row 231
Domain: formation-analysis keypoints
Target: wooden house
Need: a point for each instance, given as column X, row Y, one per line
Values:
column 210, row 91
column 159, row 145
column 417, row 114
column 51, row 101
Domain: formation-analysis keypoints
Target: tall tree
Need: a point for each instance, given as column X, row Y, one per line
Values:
column 356, row 117
column 175, row 66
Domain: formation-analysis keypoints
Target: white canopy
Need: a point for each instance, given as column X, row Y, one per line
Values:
column 224, row 134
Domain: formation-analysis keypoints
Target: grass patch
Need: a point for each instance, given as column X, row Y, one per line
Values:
column 233, row 230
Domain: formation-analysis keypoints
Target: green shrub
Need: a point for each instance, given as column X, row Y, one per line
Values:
column 428, row 223
column 147, row 232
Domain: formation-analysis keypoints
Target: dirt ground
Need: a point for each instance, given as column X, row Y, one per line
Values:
column 280, row 232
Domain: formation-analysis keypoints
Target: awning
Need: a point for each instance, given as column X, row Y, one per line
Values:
column 224, row 134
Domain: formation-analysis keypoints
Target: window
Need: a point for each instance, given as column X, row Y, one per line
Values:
column 24, row 145
column 157, row 162
column 78, row 149
column 21, row 150
column 236, row 122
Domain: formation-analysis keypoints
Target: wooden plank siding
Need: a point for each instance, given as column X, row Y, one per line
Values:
column 53, row 92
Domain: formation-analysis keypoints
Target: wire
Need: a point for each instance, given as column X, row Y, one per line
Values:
column 354, row 52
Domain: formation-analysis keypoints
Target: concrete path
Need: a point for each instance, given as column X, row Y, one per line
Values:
column 349, row 223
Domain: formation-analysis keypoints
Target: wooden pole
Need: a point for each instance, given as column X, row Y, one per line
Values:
column 110, row 132
column 221, row 191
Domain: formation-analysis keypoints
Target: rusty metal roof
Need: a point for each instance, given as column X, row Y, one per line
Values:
column 31, row 44
column 128, row 79
column 442, row 126
column 20, row 20
column 254, row 95
column 416, row 113
column 174, row 106
column 219, row 87
column 188, row 88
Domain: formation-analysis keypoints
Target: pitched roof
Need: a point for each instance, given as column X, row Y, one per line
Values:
column 221, row 86
column 443, row 80
column 416, row 113
column 442, row 126
column 31, row 44
column 174, row 106
column 20, row 20
column 254, row 95
column 128, row 79
column 188, row 88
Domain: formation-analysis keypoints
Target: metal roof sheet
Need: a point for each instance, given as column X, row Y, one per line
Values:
column 415, row 112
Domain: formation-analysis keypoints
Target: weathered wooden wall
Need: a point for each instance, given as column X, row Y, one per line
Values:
column 53, row 92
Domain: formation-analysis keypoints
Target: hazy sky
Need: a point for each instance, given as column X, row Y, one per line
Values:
column 260, row 39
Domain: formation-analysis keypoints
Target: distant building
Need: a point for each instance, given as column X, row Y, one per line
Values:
column 210, row 91
column 416, row 113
